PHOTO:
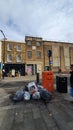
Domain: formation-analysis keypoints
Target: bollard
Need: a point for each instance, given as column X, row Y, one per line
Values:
column 37, row 77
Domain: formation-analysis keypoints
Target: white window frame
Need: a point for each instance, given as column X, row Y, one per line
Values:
column 18, row 47
column 18, row 58
column 9, row 47
column 9, row 57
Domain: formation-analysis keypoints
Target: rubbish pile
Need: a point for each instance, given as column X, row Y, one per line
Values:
column 31, row 91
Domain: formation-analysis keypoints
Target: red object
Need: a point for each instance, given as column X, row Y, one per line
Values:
column 48, row 80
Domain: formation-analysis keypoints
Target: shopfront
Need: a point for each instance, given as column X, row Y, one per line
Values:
column 14, row 70
column 32, row 69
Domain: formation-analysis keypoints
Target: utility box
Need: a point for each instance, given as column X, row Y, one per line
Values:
column 48, row 80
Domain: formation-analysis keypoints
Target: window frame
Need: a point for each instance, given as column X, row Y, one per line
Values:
column 18, row 48
column 28, row 55
column 9, row 57
column 38, row 44
column 9, row 47
column 18, row 59
column 38, row 54
column 29, row 43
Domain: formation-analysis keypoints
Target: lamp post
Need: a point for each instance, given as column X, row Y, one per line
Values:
column 60, row 58
column 3, row 68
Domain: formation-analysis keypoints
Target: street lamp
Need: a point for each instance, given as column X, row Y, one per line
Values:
column 3, row 68
column 3, row 33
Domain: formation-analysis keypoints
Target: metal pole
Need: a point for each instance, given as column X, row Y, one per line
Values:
column 49, row 64
column 37, row 77
column 44, row 55
column 60, row 57
column 49, row 55
column 3, row 33
column 3, row 68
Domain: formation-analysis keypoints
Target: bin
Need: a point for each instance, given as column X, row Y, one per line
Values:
column 61, row 84
column 48, row 80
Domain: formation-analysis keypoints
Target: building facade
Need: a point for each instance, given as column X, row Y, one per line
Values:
column 62, row 55
column 13, row 58
column 31, row 57
column 37, row 55
column 34, row 55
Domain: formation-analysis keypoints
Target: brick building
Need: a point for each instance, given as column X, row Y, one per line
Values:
column 34, row 55
column 31, row 57
column 13, row 57
column 37, row 55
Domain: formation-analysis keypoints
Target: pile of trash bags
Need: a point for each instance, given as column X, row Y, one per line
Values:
column 31, row 91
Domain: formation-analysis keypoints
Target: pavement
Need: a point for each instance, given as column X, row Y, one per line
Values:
column 21, row 78
column 29, row 78
column 57, row 114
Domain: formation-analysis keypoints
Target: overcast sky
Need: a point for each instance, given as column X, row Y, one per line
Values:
column 49, row 19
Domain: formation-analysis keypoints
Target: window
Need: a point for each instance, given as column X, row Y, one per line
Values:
column 18, row 58
column 38, row 54
column 29, row 54
column 9, row 58
column 29, row 43
column 37, row 43
column 18, row 47
column 9, row 47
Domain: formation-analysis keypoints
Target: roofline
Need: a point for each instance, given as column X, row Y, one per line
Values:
column 58, row 42
column 33, row 37
column 13, row 41
column 38, row 38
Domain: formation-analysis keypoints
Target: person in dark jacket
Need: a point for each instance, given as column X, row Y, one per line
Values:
column 71, row 81
column 3, row 73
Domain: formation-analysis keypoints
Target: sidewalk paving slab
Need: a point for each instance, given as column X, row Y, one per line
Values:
column 36, row 115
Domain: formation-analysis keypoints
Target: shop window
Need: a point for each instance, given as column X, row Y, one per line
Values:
column 9, row 58
column 29, row 69
column 29, row 54
column 38, row 54
column 18, row 58
column 9, row 47
column 18, row 47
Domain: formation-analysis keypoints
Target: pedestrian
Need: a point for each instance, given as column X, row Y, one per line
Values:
column 59, row 70
column 71, row 80
column 3, row 73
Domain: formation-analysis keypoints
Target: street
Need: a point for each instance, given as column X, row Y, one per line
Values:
column 34, row 114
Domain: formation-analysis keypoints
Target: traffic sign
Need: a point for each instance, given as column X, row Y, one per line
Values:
column 51, row 62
